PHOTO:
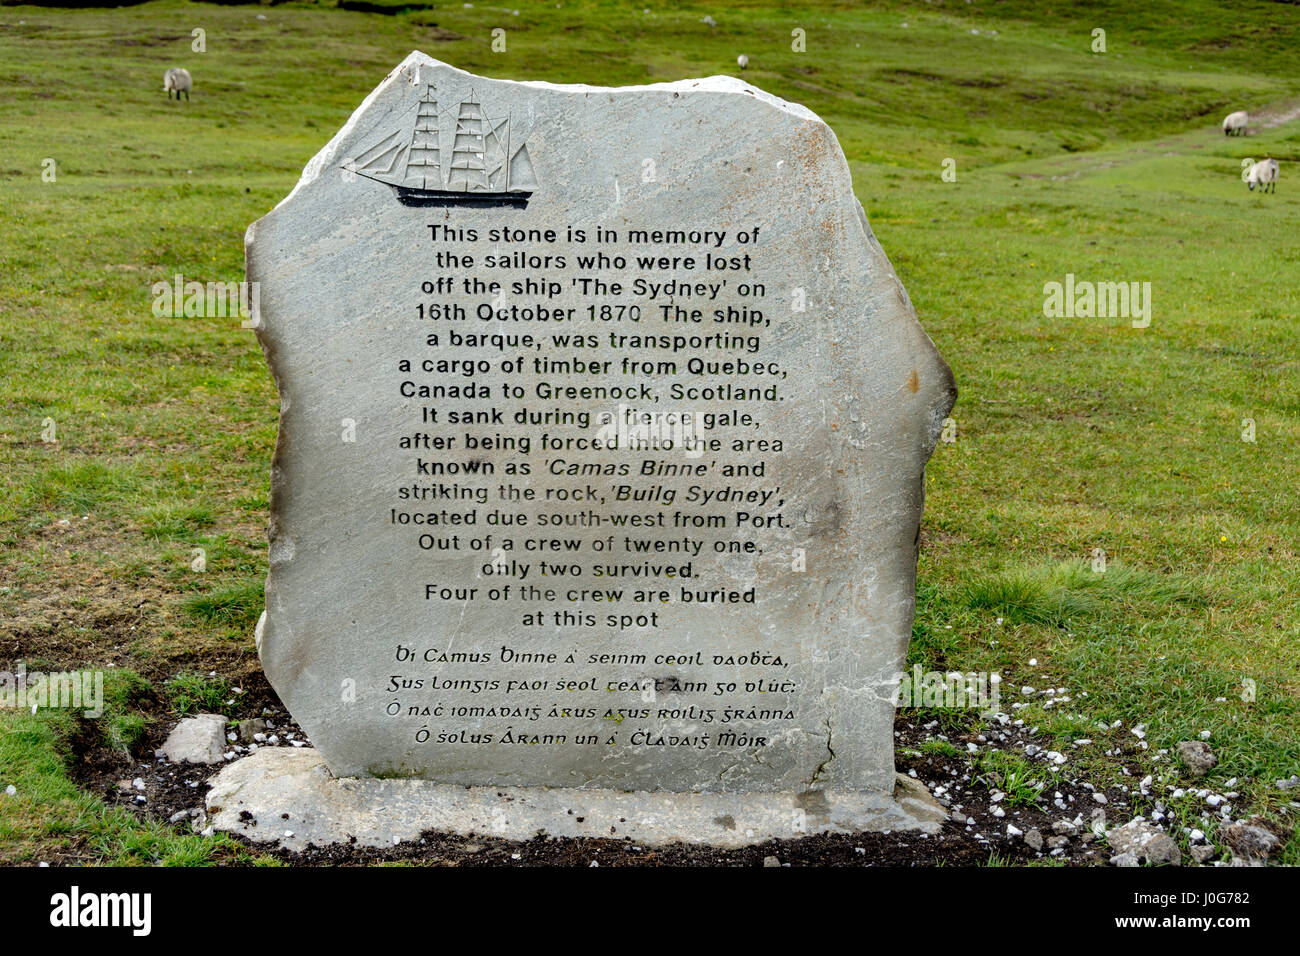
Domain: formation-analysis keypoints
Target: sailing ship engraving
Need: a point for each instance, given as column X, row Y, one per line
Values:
column 482, row 167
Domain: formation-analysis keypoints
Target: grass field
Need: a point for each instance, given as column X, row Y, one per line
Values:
column 1073, row 434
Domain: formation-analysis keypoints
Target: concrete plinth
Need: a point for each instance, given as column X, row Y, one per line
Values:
column 290, row 797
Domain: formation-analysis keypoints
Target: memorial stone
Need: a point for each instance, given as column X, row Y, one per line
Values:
column 603, row 428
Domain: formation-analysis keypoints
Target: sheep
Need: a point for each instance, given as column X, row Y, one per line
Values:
column 1235, row 123
column 178, row 79
column 743, row 61
column 1262, row 174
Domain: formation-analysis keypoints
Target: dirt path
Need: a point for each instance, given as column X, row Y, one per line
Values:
column 1082, row 164
column 1278, row 114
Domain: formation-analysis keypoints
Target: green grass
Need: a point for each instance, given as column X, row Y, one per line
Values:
column 1073, row 434
column 1073, row 591
column 49, row 819
column 236, row 605
column 939, row 748
column 196, row 693
column 1020, row 780
column 176, row 519
column 123, row 725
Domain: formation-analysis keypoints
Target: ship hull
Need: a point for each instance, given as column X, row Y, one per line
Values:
column 471, row 200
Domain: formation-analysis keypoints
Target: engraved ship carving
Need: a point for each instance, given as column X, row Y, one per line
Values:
column 482, row 168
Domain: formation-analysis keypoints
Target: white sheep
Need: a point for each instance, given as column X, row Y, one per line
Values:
column 178, row 80
column 743, row 61
column 1235, row 123
column 1262, row 174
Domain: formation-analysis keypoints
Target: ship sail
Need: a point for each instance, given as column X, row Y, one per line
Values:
column 468, row 169
column 482, row 166
column 495, row 144
column 423, row 169
column 385, row 161
column 521, row 170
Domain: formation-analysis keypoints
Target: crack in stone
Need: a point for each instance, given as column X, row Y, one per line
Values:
column 829, row 750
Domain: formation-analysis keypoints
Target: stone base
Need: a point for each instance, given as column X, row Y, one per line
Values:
column 290, row 797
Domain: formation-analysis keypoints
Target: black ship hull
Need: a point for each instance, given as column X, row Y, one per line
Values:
column 472, row 200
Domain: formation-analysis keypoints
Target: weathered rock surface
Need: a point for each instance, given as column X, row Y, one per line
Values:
column 1203, row 853
column 199, row 739
column 249, row 728
column 289, row 797
column 1145, row 841
column 1197, row 756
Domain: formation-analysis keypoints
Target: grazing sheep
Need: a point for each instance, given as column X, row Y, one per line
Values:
column 743, row 60
column 1235, row 123
column 1262, row 174
column 178, row 80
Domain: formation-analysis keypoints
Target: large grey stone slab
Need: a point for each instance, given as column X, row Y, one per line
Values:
column 289, row 797
column 737, row 628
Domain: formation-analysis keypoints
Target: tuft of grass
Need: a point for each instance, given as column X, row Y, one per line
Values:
column 170, row 520
column 1071, row 592
column 940, row 748
column 951, row 720
column 1020, row 780
column 125, row 731
column 122, row 727
column 124, row 687
column 234, row 605
column 192, row 693
column 1065, row 728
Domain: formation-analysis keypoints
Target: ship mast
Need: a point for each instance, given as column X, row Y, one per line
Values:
column 422, row 160
column 506, row 185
